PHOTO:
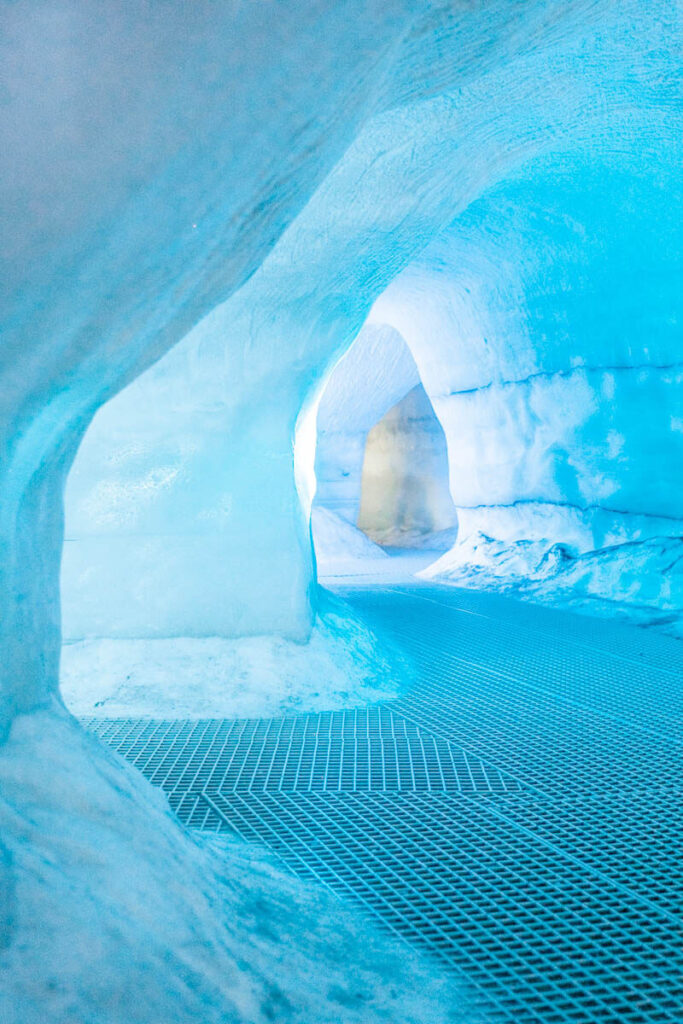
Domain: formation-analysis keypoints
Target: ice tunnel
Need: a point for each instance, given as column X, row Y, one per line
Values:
column 341, row 533
column 381, row 463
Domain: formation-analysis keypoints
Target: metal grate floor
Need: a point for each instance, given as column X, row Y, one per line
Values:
column 517, row 813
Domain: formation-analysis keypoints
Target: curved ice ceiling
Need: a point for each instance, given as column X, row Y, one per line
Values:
column 516, row 219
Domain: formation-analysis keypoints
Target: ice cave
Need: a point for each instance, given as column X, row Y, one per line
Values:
column 341, row 519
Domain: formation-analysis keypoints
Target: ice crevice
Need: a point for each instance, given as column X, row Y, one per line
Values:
column 521, row 502
column 541, row 374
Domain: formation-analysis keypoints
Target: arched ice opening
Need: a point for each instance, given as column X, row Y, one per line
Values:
column 381, row 462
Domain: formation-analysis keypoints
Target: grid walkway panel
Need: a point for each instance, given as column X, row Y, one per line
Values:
column 516, row 813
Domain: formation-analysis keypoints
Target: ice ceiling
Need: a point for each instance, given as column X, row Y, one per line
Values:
column 510, row 237
column 494, row 188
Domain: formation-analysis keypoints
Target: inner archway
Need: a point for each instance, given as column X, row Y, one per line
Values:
column 405, row 498
column 381, row 464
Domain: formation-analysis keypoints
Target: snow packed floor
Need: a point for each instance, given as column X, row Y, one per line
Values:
column 343, row 665
column 514, row 812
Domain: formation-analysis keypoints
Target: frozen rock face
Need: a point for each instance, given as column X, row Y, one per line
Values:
column 405, row 500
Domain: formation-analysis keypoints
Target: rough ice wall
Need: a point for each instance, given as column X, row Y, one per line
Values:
column 408, row 501
column 411, row 171
column 546, row 327
column 151, row 157
column 182, row 497
column 583, row 102
column 181, row 491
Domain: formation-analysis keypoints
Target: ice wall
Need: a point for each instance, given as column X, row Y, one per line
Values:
column 376, row 372
column 181, row 491
column 122, row 247
column 144, row 177
column 545, row 324
column 151, row 156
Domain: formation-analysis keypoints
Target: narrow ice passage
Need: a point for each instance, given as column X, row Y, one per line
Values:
column 220, row 222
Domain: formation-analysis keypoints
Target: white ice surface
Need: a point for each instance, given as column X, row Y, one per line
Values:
column 334, row 538
column 343, row 665
column 636, row 581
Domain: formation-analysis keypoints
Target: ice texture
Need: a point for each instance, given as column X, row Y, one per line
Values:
column 521, row 259
column 558, row 382
column 373, row 375
column 343, row 664
column 144, row 177
column 208, row 203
